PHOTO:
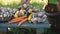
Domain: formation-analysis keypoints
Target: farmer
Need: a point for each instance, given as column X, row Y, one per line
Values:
column 53, row 14
column 58, row 18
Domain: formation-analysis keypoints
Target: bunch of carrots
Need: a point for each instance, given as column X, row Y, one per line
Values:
column 20, row 20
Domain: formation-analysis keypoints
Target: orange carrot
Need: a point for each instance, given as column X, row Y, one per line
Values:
column 16, row 19
column 19, row 18
column 23, row 21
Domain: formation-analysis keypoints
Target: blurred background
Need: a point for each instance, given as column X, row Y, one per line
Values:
column 16, row 3
column 36, row 3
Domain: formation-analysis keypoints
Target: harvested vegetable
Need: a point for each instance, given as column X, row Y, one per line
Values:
column 30, row 10
column 17, row 19
column 23, row 21
column 22, row 11
column 30, row 17
column 11, row 22
column 16, row 14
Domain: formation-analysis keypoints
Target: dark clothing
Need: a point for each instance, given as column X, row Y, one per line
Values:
column 55, row 20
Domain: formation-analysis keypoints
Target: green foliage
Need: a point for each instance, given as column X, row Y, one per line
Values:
column 53, row 1
column 21, row 31
column 36, row 5
column 14, row 5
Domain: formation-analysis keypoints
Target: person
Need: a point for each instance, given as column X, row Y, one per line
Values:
column 53, row 16
column 58, row 19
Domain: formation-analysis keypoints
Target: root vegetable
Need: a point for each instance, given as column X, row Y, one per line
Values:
column 23, row 21
column 17, row 19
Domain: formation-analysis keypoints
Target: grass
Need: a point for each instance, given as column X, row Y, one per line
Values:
column 14, row 5
column 53, row 1
column 36, row 5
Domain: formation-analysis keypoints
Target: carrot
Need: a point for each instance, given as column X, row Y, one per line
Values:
column 19, row 18
column 23, row 21
column 16, row 19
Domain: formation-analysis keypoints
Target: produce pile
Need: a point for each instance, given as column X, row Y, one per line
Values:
column 5, row 14
column 15, row 15
column 22, row 14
